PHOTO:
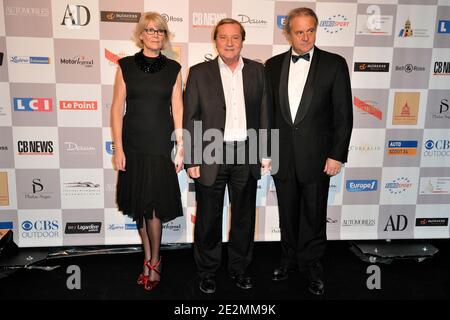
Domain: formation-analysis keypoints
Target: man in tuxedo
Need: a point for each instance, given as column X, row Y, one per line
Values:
column 228, row 95
column 312, row 109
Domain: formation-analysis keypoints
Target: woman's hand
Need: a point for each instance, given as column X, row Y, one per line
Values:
column 119, row 160
column 179, row 156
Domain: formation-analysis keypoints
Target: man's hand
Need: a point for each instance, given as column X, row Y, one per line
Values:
column 266, row 166
column 332, row 167
column 194, row 172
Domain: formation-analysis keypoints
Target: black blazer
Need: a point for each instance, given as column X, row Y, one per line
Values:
column 204, row 100
column 324, row 120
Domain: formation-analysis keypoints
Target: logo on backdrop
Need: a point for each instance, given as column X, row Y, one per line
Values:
column 406, row 108
column 331, row 220
column 397, row 223
column 368, row 107
column 250, row 21
column 443, row 110
column 206, row 19
column 170, row 226
column 81, row 188
column 37, row 186
column 109, row 146
column 40, row 229
column 434, row 185
column 33, row 104
column 27, row 12
column 208, row 57
column 122, row 227
column 402, row 147
column 83, row 227
column 281, row 21
column 2, row 111
column 431, row 222
column 113, row 57
column 6, row 225
column 409, row 32
column 398, row 185
column 358, row 222
column 4, row 192
column 79, row 60
column 76, row 16
column 361, row 185
column 371, row 67
column 408, row 68
column 441, row 68
column 364, row 148
column 333, row 187
column 40, row 148
column 170, row 18
column 444, row 26
column 82, row 185
column 437, row 148
column 373, row 23
column 74, row 147
column 29, row 60
column 78, row 105
column 38, row 191
column 334, row 24
column 119, row 16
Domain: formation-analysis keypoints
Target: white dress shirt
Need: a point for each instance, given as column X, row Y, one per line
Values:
column 298, row 73
column 233, row 89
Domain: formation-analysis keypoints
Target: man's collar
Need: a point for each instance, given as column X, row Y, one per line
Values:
column 223, row 64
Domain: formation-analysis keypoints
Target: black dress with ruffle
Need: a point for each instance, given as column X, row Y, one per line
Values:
column 150, row 183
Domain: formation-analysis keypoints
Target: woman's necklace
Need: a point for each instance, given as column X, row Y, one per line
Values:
column 157, row 63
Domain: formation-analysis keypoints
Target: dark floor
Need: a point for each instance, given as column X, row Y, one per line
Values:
column 113, row 276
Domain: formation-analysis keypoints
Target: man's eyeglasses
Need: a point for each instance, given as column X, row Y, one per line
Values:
column 151, row 31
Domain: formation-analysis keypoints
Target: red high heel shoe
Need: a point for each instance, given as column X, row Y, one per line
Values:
column 148, row 284
column 142, row 277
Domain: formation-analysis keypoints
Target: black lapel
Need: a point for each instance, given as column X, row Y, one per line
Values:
column 283, row 89
column 216, row 80
column 308, row 91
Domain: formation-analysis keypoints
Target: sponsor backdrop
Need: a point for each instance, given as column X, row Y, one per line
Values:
column 57, row 65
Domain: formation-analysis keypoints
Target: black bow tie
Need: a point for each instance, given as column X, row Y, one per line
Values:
column 305, row 56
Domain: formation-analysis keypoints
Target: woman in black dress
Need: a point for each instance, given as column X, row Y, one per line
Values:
column 147, row 186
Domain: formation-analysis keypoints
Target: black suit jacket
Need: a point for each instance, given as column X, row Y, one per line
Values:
column 204, row 101
column 324, row 120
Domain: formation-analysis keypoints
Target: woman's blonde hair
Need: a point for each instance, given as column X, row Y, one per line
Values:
column 159, row 22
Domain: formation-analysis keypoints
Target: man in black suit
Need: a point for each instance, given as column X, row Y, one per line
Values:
column 312, row 107
column 225, row 95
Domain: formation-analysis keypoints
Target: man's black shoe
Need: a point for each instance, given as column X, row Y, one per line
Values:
column 241, row 280
column 316, row 287
column 207, row 285
column 280, row 274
